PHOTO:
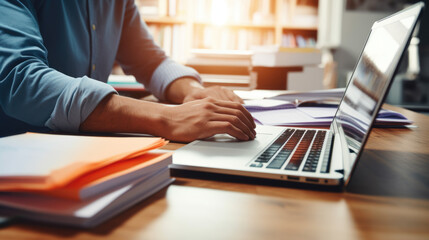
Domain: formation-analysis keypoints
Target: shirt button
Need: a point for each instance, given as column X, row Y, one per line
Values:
column 93, row 27
column 93, row 67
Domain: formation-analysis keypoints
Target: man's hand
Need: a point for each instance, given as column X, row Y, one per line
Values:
column 204, row 118
column 204, row 113
column 187, row 122
column 188, row 89
column 215, row 92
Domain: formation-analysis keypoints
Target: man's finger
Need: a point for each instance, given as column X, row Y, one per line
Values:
column 237, row 113
column 219, row 127
column 237, row 106
column 236, row 122
column 233, row 97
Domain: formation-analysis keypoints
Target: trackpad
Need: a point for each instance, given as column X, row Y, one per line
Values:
column 225, row 141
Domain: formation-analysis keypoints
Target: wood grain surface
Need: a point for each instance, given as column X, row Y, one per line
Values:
column 388, row 198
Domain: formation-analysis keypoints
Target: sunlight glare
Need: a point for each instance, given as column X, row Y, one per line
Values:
column 219, row 14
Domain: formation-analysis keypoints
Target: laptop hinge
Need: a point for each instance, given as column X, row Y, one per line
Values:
column 337, row 154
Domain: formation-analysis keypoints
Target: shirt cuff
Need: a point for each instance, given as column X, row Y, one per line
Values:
column 76, row 102
column 166, row 73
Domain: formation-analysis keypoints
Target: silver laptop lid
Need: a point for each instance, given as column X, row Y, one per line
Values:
column 370, row 81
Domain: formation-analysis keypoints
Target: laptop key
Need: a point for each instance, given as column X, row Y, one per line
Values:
column 300, row 152
column 278, row 161
column 314, row 155
column 258, row 165
column 273, row 149
column 287, row 149
column 326, row 157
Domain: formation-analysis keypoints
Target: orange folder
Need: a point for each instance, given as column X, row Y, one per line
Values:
column 112, row 176
column 34, row 161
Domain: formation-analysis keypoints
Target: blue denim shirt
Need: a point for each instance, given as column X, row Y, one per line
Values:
column 56, row 56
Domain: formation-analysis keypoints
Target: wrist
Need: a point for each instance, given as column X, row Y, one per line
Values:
column 180, row 88
column 158, row 120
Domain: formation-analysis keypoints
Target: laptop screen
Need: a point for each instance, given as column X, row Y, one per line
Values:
column 371, row 80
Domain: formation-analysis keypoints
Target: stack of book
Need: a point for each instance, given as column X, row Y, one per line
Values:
column 209, row 57
column 78, row 180
column 124, row 83
column 276, row 56
column 227, row 68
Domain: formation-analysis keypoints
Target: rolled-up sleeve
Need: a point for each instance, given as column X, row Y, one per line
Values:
column 30, row 90
column 166, row 73
column 75, row 102
column 138, row 55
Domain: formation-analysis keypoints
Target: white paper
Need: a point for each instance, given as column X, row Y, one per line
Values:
column 319, row 112
column 268, row 104
column 287, row 117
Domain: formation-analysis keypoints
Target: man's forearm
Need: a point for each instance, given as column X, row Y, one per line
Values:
column 180, row 88
column 121, row 114
column 192, row 120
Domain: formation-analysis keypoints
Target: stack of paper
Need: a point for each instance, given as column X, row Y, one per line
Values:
column 313, row 108
column 78, row 180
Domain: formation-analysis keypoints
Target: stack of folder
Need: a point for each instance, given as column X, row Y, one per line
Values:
column 78, row 180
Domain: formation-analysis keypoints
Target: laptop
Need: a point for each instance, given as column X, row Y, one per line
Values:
column 309, row 155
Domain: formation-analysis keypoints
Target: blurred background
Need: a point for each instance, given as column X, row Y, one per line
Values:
column 281, row 44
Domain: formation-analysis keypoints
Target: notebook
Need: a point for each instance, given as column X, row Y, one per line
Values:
column 315, row 156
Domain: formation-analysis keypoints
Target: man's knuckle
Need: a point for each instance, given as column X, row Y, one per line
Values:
column 210, row 99
column 208, row 106
column 236, row 105
column 226, row 125
column 235, row 120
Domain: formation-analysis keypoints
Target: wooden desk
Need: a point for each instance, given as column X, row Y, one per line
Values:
column 388, row 198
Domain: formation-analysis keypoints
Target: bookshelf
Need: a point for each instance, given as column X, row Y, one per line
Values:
column 167, row 20
column 229, row 24
column 215, row 36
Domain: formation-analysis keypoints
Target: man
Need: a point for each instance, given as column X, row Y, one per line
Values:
column 56, row 55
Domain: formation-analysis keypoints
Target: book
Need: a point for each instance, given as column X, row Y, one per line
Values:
column 295, row 99
column 275, row 56
column 111, row 177
column 124, row 83
column 275, row 104
column 219, row 57
column 47, row 161
column 336, row 93
column 234, row 81
column 87, row 213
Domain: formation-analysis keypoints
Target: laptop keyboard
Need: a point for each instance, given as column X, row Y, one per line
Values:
column 314, row 155
column 287, row 149
column 293, row 145
column 300, row 152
